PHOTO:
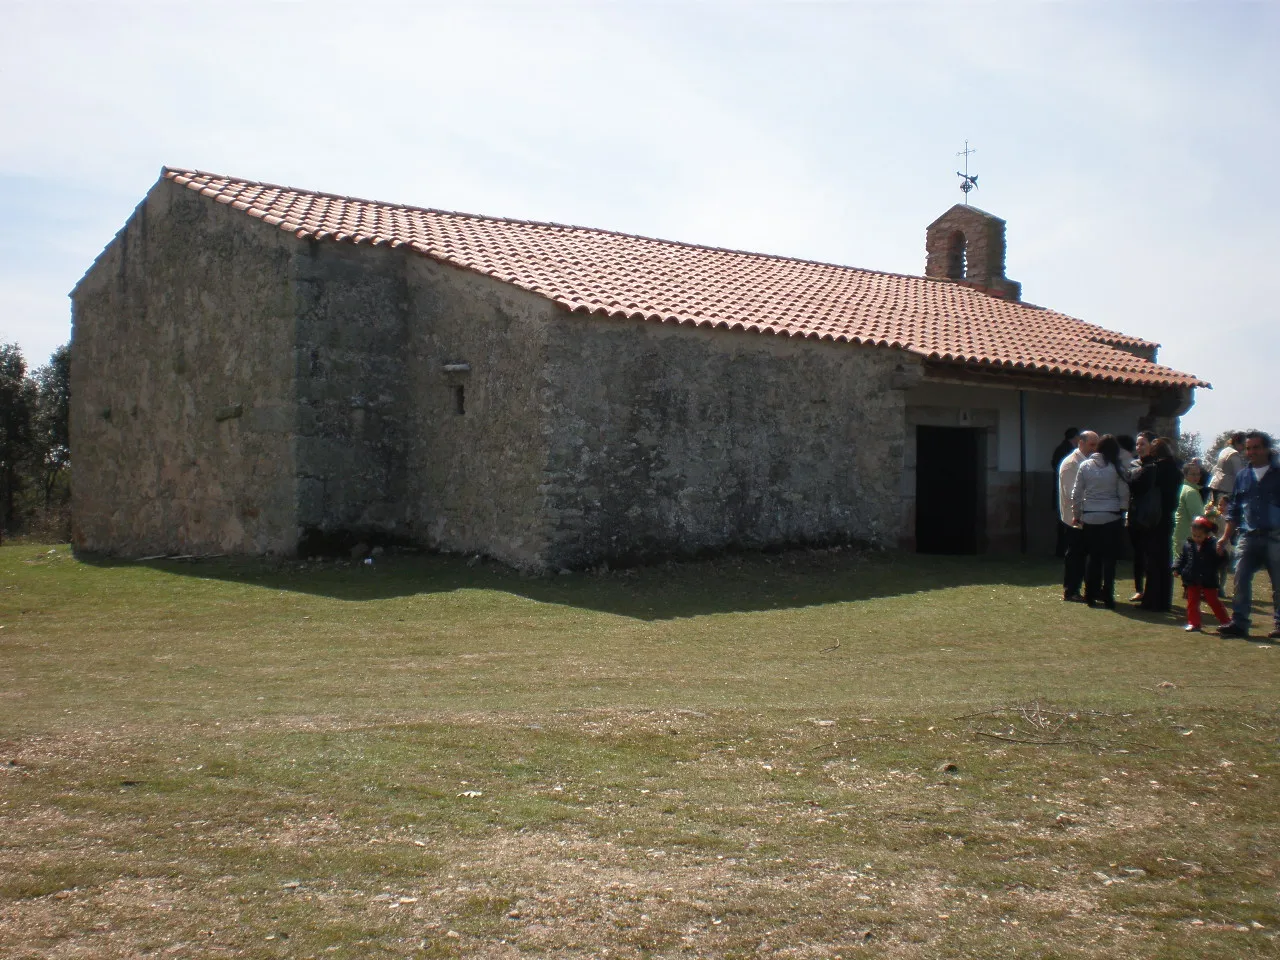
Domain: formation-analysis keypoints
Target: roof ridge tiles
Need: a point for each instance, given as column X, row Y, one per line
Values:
column 174, row 173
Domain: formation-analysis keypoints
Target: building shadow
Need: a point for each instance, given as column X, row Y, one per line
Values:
column 727, row 583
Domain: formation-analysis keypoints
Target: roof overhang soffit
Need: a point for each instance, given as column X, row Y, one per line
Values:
column 1167, row 396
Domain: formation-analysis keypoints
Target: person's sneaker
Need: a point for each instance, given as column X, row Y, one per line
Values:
column 1073, row 598
column 1274, row 634
column 1232, row 630
column 1191, row 628
column 1136, row 598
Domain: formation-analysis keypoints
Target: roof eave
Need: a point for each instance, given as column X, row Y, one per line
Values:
column 1044, row 378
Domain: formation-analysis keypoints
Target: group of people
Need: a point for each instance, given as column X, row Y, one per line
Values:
column 1177, row 522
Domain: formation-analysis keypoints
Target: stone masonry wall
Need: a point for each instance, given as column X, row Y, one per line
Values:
column 477, row 413
column 387, row 447
column 182, row 385
column 675, row 440
column 238, row 390
column 352, row 418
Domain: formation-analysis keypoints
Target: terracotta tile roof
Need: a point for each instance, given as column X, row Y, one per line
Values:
column 619, row 275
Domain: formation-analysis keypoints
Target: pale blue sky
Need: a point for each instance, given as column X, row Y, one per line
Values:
column 1130, row 146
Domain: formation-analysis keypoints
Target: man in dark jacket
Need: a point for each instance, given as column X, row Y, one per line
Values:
column 1255, row 513
column 1159, row 478
column 1141, row 447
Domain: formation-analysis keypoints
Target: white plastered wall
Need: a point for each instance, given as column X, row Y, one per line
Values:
column 996, row 410
column 1048, row 415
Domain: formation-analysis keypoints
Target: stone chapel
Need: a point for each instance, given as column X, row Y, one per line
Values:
column 260, row 369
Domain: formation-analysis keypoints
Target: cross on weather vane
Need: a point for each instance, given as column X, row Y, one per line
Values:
column 967, row 182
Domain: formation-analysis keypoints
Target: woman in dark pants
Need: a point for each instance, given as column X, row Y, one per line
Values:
column 1159, row 470
column 1100, row 496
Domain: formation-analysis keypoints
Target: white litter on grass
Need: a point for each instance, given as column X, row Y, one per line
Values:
column 471, row 794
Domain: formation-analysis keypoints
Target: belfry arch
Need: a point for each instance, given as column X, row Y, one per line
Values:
column 956, row 260
column 967, row 245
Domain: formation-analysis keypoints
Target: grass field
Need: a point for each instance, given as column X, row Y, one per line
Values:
column 806, row 755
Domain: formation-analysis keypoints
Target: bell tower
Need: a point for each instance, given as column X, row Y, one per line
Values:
column 967, row 245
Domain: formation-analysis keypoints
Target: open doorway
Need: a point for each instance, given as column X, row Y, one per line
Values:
column 951, row 489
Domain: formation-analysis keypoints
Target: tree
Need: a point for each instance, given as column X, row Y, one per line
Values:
column 1189, row 447
column 50, row 440
column 17, row 403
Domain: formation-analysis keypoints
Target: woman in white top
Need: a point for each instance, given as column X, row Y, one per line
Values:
column 1230, row 460
column 1098, row 501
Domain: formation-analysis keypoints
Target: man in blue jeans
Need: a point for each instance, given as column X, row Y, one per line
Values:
column 1255, row 512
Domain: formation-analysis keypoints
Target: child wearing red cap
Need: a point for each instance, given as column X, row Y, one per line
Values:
column 1198, row 564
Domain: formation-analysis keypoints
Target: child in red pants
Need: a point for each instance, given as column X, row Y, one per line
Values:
column 1198, row 565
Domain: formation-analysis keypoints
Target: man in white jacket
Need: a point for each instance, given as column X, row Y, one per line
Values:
column 1073, row 566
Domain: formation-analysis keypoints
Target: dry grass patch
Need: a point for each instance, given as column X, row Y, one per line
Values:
column 439, row 760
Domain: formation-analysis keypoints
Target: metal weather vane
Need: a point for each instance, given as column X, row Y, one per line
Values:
column 967, row 182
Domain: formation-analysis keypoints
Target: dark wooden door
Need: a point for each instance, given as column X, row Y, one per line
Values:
column 951, row 489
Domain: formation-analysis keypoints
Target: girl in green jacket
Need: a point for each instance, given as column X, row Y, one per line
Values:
column 1190, row 505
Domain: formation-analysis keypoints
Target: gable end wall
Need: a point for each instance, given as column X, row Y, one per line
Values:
column 182, row 384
